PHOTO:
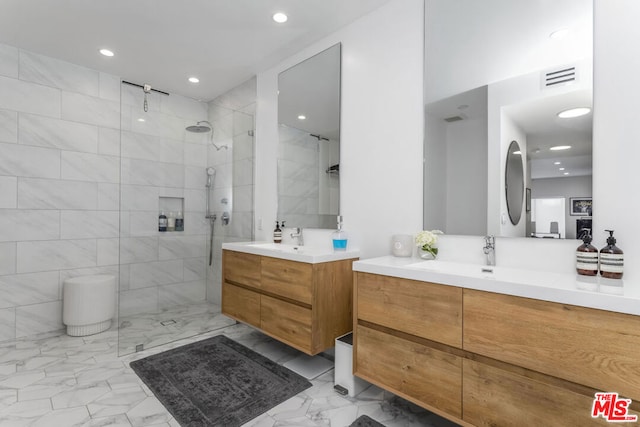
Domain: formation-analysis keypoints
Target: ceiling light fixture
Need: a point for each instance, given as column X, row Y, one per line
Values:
column 280, row 17
column 557, row 163
column 560, row 147
column 566, row 173
column 194, row 80
column 574, row 112
column 302, row 117
column 559, row 34
column 106, row 52
column 561, row 169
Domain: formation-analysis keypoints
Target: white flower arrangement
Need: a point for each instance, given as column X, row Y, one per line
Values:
column 426, row 240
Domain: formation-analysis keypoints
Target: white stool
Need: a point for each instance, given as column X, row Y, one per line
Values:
column 88, row 304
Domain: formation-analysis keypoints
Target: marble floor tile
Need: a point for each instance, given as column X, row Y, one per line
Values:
column 57, row 380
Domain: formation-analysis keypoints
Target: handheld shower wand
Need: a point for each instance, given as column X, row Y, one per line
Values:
column 211, row 173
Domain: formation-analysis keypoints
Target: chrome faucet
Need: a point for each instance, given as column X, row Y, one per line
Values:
column 297, row 233
column 490, row 249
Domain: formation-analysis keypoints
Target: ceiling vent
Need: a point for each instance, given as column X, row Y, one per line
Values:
column 559, row 77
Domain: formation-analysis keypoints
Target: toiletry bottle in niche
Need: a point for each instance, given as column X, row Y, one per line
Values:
column 611, row 259
column 587, row 258
column 179, row 221
column 171, row 222
column 162, row 222
column 277, row 234
column 339, row 237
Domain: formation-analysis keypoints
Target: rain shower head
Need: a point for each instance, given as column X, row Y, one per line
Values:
column 204, row 128
column 200, row 128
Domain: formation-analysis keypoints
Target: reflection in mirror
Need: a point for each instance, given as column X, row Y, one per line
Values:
column 309, row 145
column 492, row 77
column 514, row 182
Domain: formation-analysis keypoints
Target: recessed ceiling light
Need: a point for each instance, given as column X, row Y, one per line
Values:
column 194, row 80
column 560, row 147
column 280, row 17
column 557, row 163
column 561, row 169
column 302, row 117
column 106, row 52
column 141, row 119
column 566, row 173
column 574, row 112
column 559, row 34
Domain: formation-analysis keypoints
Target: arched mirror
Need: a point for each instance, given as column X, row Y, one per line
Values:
column 514, row 182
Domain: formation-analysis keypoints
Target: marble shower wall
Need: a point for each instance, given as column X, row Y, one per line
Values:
column 306, row 193
column 163, row 167
column 62, row 160
column 232, row 115
column 59, row 184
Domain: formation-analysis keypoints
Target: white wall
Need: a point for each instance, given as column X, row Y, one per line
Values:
column 382, row 127
column 615, row 129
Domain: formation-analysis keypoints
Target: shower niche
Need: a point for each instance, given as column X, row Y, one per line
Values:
column 173, row 209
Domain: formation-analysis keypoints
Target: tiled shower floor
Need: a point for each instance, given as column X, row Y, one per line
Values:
column 62, row 381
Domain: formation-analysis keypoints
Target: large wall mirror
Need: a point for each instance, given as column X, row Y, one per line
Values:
column 309, row 141
column 498, row 71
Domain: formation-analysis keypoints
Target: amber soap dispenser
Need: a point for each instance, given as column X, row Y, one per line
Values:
column 611, row 259
column 587, row 258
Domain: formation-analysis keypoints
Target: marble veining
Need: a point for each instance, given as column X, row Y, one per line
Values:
column 8, row 123
column 54, row 133
column 82, row 381
column 56, row 194
column 26, row 161
column 61, row 74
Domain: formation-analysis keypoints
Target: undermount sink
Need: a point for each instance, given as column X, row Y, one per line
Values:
column 309, row 254
column 278, row 247
column 499, row 273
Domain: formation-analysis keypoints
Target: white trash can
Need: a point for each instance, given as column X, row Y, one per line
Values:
column 88, row 304
column 344, row 367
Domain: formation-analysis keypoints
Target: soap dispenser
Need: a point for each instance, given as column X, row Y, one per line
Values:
column 277, row 234
column 611, row 259
column 587, row 258
column 339, row 237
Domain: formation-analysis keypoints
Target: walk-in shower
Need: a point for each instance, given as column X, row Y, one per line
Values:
column 204, row 128
column 211, row 173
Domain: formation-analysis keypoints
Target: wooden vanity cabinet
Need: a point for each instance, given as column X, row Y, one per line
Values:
column 306, row 306
column 487, row 359
column 597, row 348
column 407, row 340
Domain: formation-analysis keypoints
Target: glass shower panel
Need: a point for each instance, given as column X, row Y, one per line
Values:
column 164, row 276
column 232, row 192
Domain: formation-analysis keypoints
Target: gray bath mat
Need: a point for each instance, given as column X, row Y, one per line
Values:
column 217, row 382
column 365, row 421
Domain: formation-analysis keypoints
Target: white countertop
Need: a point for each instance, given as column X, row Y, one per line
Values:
column 573, row 289
column 308, row 254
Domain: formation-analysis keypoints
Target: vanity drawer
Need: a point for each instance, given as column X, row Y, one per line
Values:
column 424, row 375
column 241, row 304
column 497, row 397
column 288, row 279
column 422, row 309
column 290, row 323
column 593, row 347
column 241, row 268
